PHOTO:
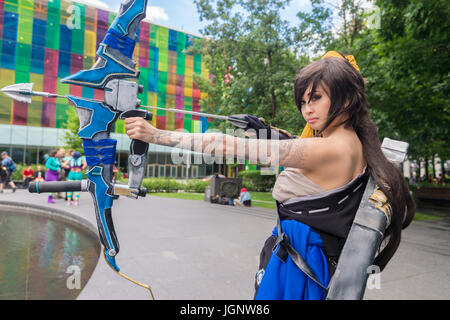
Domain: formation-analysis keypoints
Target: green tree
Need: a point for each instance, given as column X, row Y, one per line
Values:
column 408, row 76
column 71, row 139
column 251, row 52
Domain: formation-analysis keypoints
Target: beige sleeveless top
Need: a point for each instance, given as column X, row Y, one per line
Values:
column 292, row 183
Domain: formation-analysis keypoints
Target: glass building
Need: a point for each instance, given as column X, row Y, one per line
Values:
column 43, row 41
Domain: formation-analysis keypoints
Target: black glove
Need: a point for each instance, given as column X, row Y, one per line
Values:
column 259, row 125
column 253, row 123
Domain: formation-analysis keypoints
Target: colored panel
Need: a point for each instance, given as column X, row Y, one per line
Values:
column 204, row 124
column 102, row 25
column 78, row 12
column 10, row 25
column 65, row 41
column 23, row 57
column 162, row 82
column 144, row 45
column 153, row 35
column 161, row 122
column 12, row 6
column 198, row 64
column 25, row 29
column 91, row 19
column 2, row 13
column 6, row 78
column 40, row 10
column 89, row 43
column 196, row 126
column 65, row 60
column 119, row 126
column 39, row 28
column 53, row 19
column 144, row 82
column 153, row 80
column 50, row 84
column 35, row 107
column 37, row 59
column 61, row 115
column 153, row 58
column 172, row 40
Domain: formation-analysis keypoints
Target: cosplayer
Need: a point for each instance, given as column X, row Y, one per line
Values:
column 320, row 190
column 76, row 165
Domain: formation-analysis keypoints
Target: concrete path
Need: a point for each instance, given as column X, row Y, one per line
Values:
column 188, row 249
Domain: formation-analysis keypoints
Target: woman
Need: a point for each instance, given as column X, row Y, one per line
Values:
column 39, row 174
column 27, row 176
column 338, row 158
column 76, row 165
column 53, row 169
column 244, row 199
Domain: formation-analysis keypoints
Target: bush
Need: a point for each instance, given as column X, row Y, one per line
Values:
column 197, row 186
column 252, row 180
column 161, row 185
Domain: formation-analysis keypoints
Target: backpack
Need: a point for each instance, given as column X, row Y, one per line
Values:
column 13, row 166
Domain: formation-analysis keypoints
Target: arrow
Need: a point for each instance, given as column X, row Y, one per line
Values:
column 236, row 122
column 23, row 92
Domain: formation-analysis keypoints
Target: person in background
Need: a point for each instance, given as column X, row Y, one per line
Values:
column 244, row 199
column 53, row 169
column 76, row 166
column 27, row 176
column 39, row 174
column 7, row 163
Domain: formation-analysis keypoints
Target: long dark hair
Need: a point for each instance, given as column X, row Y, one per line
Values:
column 345, row 87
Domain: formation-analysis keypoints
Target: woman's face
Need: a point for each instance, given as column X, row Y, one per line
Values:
column 315, row 106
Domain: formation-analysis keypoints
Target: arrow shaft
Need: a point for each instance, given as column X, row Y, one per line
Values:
column 202, row 114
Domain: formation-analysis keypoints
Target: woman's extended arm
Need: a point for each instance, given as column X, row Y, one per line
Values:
column 297, row 153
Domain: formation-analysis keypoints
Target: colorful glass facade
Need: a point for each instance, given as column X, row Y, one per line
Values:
column 42, row 41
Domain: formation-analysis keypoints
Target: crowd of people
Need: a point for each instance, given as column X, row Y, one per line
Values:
column 60, row 165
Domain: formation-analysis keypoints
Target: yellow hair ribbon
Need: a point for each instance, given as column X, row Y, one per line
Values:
column 308, row 132
column 349, row 58
column 146, row 286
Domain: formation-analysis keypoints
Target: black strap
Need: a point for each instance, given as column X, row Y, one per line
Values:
column 286, row 249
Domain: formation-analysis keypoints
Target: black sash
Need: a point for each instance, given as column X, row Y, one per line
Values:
column 330, row 214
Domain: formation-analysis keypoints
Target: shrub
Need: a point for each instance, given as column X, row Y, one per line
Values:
column 161, row 185
column 195, row 185
column 254, row 181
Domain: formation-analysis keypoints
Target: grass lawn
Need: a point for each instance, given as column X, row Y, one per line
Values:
column 265, row 200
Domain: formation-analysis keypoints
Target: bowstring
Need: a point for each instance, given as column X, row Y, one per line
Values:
column 143, row 285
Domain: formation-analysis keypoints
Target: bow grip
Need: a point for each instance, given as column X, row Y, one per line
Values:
column 138, row 152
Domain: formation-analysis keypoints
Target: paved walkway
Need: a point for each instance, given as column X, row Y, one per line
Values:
column 189, row 249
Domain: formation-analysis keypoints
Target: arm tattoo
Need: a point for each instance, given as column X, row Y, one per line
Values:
column 288, row 153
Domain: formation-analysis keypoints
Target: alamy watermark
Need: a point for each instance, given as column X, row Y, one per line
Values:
column 374, row 279
column 231, row 147
column 74, row 280
column 374, row 17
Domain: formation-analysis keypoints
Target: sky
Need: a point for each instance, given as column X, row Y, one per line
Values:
column 182, row 14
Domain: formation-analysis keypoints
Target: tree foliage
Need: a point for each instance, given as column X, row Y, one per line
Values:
column 254, row 56
column 71, row 139
column 250, row 50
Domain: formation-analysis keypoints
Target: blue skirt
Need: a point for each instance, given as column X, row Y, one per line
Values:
column 284, row 280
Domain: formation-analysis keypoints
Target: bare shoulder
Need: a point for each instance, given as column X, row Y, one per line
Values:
column 334, row 161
